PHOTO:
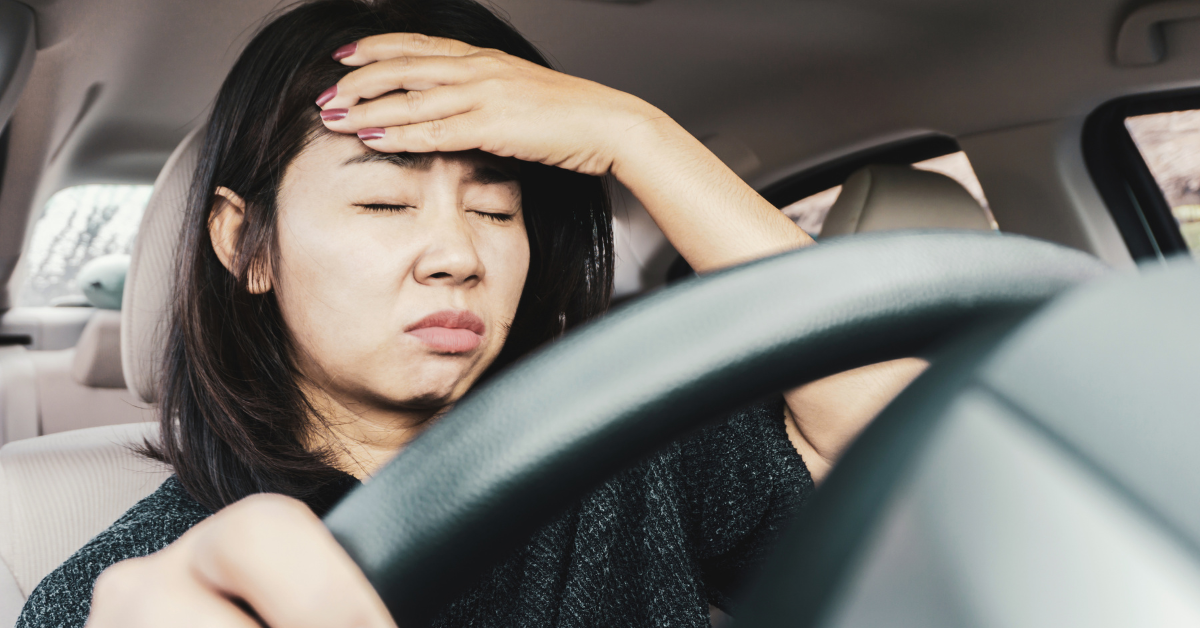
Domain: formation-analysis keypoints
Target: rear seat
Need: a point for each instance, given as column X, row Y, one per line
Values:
column 52, row 386
column 84, row 386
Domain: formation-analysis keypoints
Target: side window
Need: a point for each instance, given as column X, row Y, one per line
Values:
column 810, row 212
column 77, row 225
column 1169, row 142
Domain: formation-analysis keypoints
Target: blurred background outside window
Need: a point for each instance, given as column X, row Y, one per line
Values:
column 1170, row 144
column 77, row 225
column 809, row 213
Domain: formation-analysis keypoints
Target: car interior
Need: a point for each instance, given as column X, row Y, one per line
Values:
column 1037, row 161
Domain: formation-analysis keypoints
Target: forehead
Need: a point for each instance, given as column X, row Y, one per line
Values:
column 346, row 151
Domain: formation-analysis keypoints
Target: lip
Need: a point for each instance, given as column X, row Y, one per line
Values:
column 449, row 331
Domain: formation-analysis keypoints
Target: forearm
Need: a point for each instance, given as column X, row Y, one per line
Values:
column 825, row 416
column 712, row 217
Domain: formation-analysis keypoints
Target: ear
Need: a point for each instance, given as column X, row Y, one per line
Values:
column 224, row 225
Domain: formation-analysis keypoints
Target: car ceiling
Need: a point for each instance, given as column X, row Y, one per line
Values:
column 773, row 85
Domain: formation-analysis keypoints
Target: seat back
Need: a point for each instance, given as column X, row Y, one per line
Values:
column 890, row 197
column 59, row 491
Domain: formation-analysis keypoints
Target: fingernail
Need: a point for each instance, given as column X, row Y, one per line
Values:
column 345, row 51
column 326, row 96
column 329, row 115
column 370, row 134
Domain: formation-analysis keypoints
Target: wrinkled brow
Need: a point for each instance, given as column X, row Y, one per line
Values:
column 483, row 174
column 414, row 161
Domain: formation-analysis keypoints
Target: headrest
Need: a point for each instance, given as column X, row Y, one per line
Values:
column 886, row 198
column 103, row 280
column 98, row 352
column 148, row 286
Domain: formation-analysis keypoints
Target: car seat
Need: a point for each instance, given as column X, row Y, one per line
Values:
column 58, row 491
column 60, row 381
column 890, row 197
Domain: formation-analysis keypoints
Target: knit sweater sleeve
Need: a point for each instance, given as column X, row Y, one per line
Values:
column 63, row 598
column 743, row 480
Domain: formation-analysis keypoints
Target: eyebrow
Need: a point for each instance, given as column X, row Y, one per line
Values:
column 481, row 174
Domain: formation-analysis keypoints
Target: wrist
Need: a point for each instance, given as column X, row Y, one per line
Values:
column 639, row 137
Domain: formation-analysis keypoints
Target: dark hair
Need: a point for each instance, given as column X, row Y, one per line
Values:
column 232, row 411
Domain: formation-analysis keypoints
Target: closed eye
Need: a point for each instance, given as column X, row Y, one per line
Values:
column 383, row 207
column 498, row 217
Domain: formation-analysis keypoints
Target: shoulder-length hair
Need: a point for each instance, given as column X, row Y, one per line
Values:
column 234, row 418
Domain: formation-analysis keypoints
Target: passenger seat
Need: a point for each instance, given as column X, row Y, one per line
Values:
column 887, row 198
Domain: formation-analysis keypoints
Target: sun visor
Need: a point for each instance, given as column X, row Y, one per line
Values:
column 17, row 47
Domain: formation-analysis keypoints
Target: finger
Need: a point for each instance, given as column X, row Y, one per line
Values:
column 409, row 73
column 403, row 109
column 135, row 593
column 272, row 552
column 456, row 133
column 379, row 47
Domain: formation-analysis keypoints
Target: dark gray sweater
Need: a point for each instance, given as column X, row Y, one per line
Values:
column 652, row 547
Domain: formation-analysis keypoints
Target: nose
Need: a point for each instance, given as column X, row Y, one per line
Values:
column 450, row 256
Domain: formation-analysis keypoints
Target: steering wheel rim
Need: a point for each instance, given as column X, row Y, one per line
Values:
column 516, row 451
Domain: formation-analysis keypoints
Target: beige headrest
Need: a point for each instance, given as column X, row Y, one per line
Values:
column 146, row 302
column 886, row 198
column 98, row 352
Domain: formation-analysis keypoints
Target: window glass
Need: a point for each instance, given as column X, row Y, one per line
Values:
column 1170, row 144
column 78, row 225
column 809, row 213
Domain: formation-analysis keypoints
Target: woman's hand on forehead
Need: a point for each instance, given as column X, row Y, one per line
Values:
column 414, row 93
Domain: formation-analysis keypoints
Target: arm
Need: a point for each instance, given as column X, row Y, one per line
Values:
column 715, row 220
column 268, row 553
column 413, row 93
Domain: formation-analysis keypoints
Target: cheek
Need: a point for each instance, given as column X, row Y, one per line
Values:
column 507, row 261
column 334, row 276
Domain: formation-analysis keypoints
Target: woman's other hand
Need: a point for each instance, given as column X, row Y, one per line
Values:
column 268, row 553
column 415, row 93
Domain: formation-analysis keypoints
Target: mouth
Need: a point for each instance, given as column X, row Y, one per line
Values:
column 449, row 331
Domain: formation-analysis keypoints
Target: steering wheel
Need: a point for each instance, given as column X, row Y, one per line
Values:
column 520, row 449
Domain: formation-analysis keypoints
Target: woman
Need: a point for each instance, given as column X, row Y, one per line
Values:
column 350, row 270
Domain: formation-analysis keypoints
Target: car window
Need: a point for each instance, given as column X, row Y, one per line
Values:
column 77, row 225
column 1170, row 145
column 810, row 212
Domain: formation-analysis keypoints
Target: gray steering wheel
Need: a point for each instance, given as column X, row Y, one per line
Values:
column 518, row 450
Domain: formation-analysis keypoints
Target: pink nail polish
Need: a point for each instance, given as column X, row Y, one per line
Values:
column 326, row 96
column 371, row 134
column 345, row 51
column 329, row 115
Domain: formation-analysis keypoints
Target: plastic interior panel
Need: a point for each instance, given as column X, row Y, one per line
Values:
column 17, row 46
column 1114, row 374
column 1000, row 526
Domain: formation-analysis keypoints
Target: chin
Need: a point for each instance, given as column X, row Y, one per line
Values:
column 430, row 395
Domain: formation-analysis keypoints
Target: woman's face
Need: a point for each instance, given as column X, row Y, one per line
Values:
column 398, row 275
